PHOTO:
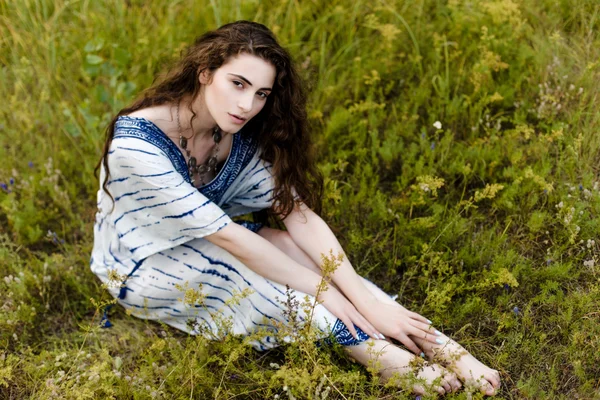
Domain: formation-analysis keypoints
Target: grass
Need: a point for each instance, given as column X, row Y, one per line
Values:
column 487, row 225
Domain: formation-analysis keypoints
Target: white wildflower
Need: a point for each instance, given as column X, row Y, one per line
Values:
column 437, row 125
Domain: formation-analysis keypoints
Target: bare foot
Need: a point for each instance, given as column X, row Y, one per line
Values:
column 472, row 372
column 476, row 374
column 402, row 368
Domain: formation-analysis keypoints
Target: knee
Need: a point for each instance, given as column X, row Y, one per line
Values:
column 281, row 239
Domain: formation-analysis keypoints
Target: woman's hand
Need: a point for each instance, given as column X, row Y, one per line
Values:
column 341, row 307
column 397, row 322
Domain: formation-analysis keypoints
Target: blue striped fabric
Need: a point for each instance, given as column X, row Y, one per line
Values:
column 154, row 238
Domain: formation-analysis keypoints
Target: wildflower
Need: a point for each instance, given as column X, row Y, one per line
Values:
column 560, row 205
column 590, row 243
column 4, row 187
column 580, row 186
column 432, row 145
column 589, row 263
column 54, row 237
column 507, row 287
column 30, row 164
column 12, row 181
column 437, row 125
column 516, row 311
column 548, row 261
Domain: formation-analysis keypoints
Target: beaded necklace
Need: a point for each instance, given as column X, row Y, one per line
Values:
column 192, row 164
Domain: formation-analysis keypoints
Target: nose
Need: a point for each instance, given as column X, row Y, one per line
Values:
column 245, row 103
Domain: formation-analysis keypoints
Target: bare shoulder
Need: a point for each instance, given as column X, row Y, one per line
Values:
column 160, row 116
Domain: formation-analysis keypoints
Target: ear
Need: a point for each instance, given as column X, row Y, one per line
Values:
column 204, row 77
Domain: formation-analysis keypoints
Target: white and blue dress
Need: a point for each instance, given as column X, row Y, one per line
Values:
column 151, row 237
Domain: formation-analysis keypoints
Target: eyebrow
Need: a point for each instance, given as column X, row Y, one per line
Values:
column 250, row 83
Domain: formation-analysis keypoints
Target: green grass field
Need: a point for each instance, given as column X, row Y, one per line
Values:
column 460, row 144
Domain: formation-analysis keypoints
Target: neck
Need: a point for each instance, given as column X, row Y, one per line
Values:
column 203, row 125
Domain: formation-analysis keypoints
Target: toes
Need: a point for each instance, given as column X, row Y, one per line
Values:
column 487, row 388
column 447, row 386
column 455, row 383
column 496, row 377
column 418, row 390
column 493, row 377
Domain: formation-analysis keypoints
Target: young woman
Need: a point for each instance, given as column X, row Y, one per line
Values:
column 224, row 133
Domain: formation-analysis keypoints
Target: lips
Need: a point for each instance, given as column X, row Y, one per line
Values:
column 237, row 118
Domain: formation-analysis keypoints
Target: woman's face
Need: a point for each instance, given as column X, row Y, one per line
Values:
column 238, row 90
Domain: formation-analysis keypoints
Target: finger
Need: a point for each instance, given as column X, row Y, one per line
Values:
column 426, row 328
column 405, row 340
column 350, row 327
column 427, row 336
column 367, row 327
column 418, row 317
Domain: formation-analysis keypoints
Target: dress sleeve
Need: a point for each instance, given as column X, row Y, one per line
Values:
column 155, row 207
column 255, row 189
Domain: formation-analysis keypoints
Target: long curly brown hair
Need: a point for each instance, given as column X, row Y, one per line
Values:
column 281, row 127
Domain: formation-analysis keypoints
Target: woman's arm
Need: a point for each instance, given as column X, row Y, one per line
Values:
column 267, row 260
column 315, row 237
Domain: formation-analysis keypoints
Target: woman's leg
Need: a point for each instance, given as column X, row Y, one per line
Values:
column 470, row 370
column 392, row 359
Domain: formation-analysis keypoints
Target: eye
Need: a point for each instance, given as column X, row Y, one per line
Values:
column 262, row 95
column 238, row 84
